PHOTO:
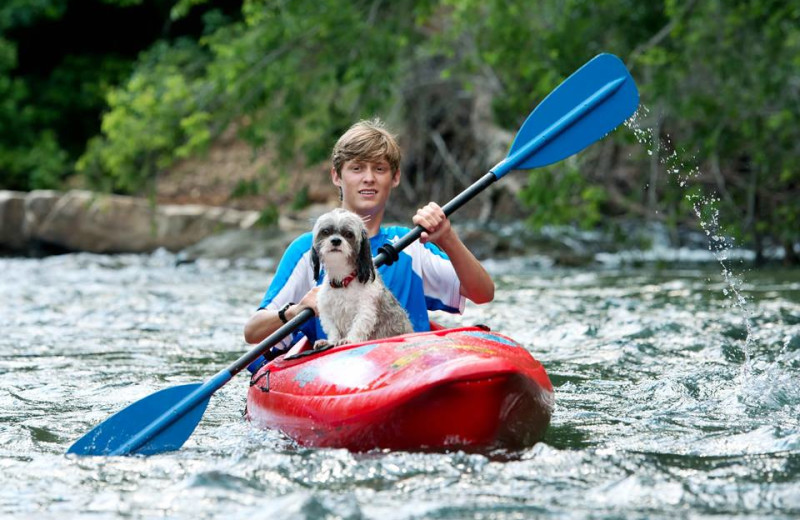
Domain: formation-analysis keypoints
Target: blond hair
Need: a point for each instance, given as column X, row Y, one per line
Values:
column 367, row 140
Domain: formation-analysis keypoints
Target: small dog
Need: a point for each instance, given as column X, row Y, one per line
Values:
column 353, row 303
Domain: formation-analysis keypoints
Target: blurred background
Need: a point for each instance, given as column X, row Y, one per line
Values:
column 238, row 103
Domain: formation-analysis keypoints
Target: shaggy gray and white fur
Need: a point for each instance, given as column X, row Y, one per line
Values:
column 353, row 303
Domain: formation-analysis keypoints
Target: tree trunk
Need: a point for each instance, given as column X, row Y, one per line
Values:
column 790, row 257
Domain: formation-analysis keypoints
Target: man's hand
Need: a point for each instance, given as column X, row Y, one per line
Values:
column 264, row 322
column 476, row 284
column 309, row 301
column 437, row 225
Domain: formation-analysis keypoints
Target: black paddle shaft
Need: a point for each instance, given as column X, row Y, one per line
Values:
column 457, row 201
column 270, row 341
column 380, row 259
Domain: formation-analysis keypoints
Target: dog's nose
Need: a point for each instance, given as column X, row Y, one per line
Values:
column 336, row 241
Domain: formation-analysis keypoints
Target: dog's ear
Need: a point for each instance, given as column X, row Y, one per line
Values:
column 365, row 269
column 315, row 262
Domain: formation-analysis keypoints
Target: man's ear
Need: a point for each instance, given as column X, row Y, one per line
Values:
column 336, row 179
column 396, row 178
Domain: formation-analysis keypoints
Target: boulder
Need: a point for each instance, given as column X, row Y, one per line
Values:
column 178, row 227
column 12, row 217
column 38, row 205
column 86, row 221
column 250, row 244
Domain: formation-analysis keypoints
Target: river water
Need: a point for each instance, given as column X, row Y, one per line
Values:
column 672, row 398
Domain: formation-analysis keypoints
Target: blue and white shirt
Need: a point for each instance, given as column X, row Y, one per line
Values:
column 422, row 279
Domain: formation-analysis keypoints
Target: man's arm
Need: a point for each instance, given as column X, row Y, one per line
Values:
column 266, row 321
column 476, row 284
column 291, row 281
column 260, row 325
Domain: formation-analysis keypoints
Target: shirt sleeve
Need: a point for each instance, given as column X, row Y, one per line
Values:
column 292, row 280
column 294, row 277
column 440, row 283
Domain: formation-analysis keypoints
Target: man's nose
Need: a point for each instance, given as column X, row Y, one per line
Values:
column 336, row 241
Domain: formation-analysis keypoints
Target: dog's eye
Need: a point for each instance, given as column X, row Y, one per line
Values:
column 325, row 231
column 347, row 234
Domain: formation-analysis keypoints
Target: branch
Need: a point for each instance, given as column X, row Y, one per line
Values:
column 660, row 35
column 449, row 160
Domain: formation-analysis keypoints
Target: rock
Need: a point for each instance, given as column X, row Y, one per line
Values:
column 253, row 244
column 303, row 220
column 483, row 244
column 38, row 205
column 12, row 218
column 178, row 227
column 491, row 242
column 86, row 221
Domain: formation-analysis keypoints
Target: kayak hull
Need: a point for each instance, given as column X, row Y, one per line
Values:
column 461, row 388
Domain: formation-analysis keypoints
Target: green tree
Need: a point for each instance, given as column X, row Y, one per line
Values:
column 721, row 80
column 530, row 47
column 731, row 92
column 58, row 61
column 292, row 74
column 30, row 155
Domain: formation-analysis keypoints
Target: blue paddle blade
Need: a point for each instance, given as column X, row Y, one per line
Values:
column 115, row 432
column 584, row 108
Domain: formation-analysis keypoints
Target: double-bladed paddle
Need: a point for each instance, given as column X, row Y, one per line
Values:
column 584, row 108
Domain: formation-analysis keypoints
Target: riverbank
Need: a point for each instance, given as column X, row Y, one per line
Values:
column 40, row 223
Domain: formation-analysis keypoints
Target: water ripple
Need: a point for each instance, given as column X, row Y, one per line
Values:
column 662, row 408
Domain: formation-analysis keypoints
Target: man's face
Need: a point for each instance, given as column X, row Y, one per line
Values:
column 366, row 185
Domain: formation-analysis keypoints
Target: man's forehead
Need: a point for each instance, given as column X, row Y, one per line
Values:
column 372, row 160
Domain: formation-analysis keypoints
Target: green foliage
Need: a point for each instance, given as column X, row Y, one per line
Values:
column 301, row 199
column 245, row 188
column 183, row 7
column 562, row 196
column 30, row 156
column 721, row 79
column 51, row 96
column 732, row 92
column 268, row 216
column 724, row 75
column 532, row 46
column 292, row 74
column 24, row 13
column 157, row 116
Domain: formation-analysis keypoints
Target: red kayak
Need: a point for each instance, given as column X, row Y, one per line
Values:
column 464, row 388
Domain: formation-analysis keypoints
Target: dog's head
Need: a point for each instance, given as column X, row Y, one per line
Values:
column 341, row 244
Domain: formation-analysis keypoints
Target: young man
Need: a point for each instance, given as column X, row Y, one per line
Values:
column 366, row 167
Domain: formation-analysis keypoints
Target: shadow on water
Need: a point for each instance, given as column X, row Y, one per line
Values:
column 567, row 437
column 781, row 467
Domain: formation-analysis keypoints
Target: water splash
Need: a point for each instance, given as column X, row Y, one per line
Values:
column 707, row 211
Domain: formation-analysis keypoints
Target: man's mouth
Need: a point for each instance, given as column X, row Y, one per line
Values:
column 368, row 193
